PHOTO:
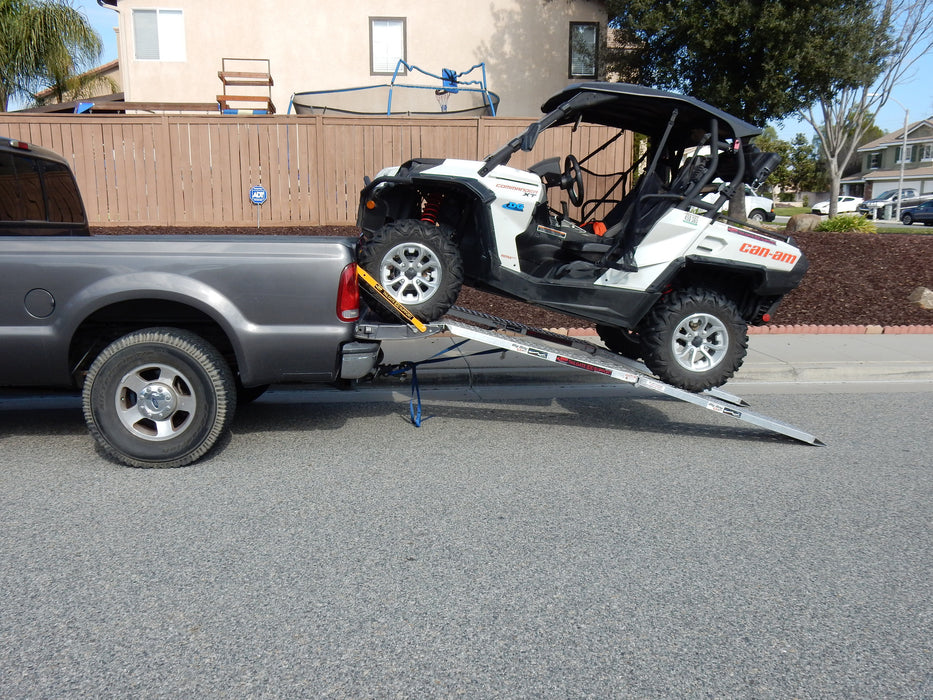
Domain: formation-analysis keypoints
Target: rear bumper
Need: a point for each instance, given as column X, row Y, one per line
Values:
column 359, row 358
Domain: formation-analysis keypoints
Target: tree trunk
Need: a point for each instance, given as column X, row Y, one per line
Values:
column 737, row 204
column 835, row 178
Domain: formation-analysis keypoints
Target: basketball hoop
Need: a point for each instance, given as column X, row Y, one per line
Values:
column 442, row 97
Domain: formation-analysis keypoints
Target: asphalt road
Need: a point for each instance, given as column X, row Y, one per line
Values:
column 625, row 546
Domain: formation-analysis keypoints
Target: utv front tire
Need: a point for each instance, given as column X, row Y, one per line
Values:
column 159, row 397
column 417, row 263
column 694, row 339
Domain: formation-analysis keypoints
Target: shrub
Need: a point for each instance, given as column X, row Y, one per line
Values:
column 848, row 223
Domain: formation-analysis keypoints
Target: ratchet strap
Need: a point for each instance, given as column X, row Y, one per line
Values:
column 414, row 403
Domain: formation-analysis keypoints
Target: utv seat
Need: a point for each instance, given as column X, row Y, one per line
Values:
column 630, row 221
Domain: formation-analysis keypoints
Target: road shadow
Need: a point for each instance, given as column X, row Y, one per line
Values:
column 23, row 415
column 658, row 415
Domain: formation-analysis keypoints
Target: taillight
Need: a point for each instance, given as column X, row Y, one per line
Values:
column 348, row 295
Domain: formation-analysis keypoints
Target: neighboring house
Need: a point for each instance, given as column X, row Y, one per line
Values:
column 172, row 50
column 97, row 82
column 881, row 162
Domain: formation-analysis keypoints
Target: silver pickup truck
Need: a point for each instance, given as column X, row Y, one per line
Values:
column 162, row 334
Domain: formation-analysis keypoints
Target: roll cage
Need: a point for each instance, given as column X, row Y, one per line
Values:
column 691, row 143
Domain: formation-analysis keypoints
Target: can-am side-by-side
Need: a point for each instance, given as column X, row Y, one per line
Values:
column 662, row 273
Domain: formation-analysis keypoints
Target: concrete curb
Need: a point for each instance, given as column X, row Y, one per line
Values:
column 851, row 354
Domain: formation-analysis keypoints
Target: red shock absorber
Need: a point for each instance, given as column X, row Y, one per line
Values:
column 432, row 208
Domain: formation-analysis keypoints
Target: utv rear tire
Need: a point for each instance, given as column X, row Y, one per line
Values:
column 620, row 340
column 159, row 397
column 417, row 263
column 694, row 339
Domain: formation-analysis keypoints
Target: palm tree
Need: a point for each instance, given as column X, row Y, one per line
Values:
column 43, row 43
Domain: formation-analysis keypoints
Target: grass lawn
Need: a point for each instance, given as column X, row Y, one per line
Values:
column 906, row 229
column 790, row 211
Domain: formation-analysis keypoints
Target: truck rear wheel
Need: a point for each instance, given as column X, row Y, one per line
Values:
column 159, row 397
column 694, row 339
column 417, row 263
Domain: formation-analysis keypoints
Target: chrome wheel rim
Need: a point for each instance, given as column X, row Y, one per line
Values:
column 411, row 273
column 155, row 402
column 700, row 342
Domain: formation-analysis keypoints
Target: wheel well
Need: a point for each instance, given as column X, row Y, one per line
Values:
column 457, row 205
column 105, row 325
column 408, row 201
column 736, row 284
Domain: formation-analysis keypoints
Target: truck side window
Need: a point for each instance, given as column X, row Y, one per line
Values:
column 27, row 172
column 62, row 195
column 10, row 198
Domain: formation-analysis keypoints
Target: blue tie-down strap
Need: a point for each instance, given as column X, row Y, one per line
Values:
column 414, row 404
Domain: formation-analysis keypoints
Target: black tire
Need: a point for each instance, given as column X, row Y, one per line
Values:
column 621, row 340
column 758, row 216
column 159, row 397
column 694, row 339
column 907, row 219
column 417, row 263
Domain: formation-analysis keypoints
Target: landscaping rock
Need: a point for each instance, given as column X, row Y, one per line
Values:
column 922, row 297
column 803, row 222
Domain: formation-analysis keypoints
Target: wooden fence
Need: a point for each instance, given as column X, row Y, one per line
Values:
column 183, row 170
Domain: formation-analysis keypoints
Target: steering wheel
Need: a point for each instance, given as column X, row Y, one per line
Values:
column 572, row 180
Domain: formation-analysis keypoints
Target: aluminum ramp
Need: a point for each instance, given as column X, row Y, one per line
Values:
column 567, row 352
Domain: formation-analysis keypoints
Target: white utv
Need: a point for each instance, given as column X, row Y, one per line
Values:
column 663, row 275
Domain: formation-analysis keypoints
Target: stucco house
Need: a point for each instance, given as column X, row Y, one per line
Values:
column 881, row 162
column 172, row 50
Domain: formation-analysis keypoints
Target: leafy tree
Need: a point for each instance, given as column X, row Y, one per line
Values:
column 42, row 43
column 757, row 59
column 800, row 168
column 808, row 171
column 769, row 141
column 842, row 118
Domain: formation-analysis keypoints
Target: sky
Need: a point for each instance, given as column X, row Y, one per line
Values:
column 916, row 93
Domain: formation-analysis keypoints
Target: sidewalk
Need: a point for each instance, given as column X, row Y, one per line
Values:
column 779, row 358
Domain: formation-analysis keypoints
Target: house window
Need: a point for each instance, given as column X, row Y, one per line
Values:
column 874, row 160
column 386, row 44
column 927, row 152
column 159, row 35
column 908, row 154
column 584, row 37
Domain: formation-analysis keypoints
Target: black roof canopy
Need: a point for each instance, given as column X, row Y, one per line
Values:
column 644, row 110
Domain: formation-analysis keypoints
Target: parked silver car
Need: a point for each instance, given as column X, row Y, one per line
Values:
column 874, row 208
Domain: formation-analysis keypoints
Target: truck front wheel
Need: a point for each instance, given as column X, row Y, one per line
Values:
column 417, row 263
column 159, row 397
column 694, row 339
